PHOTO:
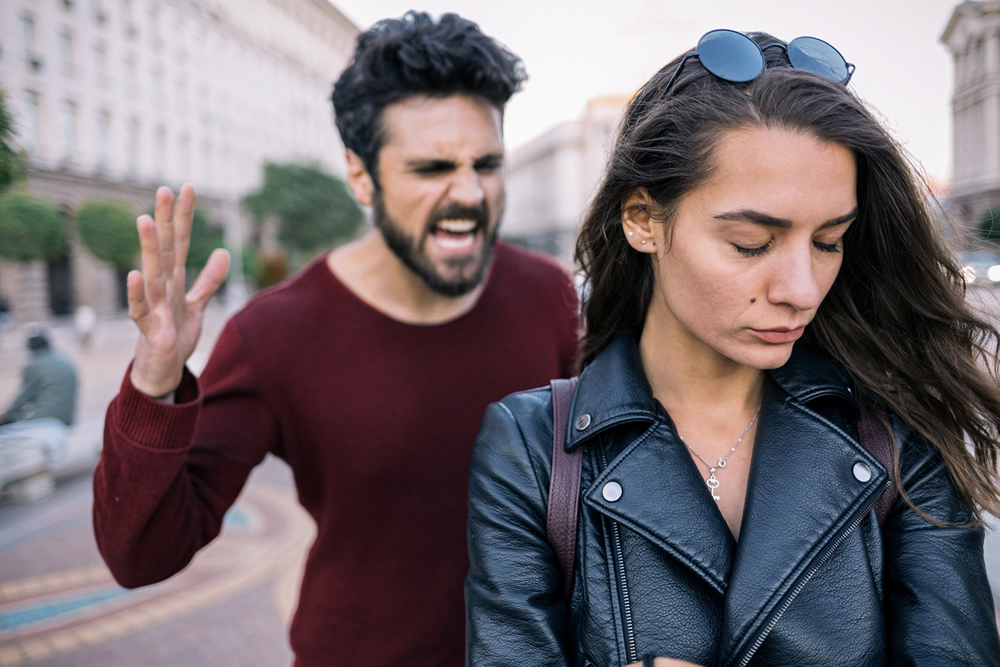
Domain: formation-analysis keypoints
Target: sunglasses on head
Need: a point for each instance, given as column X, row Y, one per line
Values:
column 732, row 56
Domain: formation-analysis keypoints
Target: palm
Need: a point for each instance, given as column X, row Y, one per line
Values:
column 169, row 320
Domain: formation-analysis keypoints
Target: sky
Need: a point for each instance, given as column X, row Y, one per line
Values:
column 575, row 50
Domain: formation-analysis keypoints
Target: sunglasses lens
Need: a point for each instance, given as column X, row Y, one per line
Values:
column 816, row 56
column 731, row 56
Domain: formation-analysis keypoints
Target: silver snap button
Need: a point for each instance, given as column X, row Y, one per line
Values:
column 582, row 422
column 862, row 472
column 612, row 491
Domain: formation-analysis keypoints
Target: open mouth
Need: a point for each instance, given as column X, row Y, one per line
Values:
column 454, row 234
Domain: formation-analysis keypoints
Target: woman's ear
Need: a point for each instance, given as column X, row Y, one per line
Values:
column 358, row 179
column 637, row 221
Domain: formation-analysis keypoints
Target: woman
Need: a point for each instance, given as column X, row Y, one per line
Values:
column 762, row 264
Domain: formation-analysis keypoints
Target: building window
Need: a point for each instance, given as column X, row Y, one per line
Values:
column 28, row 35
column 103, row 138
column 130, row 79
column 132, row 149
column 100, row 61
column 68, row 122
column 128, row 19
column 66, row 50
column 31, row 122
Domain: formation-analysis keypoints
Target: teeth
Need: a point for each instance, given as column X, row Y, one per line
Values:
column 457, row 226
column 455, row 243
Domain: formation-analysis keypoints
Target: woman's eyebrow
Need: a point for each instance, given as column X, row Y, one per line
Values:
column 759, row 218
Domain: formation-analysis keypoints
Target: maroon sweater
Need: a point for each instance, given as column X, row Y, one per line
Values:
column 376, row 419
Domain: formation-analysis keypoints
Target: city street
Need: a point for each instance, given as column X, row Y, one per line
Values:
column 58, row 604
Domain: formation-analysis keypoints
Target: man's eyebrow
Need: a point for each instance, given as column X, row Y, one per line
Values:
column 490, row 158
column 759, row 218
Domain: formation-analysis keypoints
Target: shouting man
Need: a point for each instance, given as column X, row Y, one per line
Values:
column 368, row 372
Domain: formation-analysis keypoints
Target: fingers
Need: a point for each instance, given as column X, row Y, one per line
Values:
column 210, row 278
column 152, row 263
column 183, row 216
column 164, row 212
column 138, row 307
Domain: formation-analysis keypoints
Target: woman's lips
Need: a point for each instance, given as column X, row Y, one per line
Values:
column 778, row 336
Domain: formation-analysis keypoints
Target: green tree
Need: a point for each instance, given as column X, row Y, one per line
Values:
column 107, row 229
column 11, row 167
column 31, row 229
column 313, row 209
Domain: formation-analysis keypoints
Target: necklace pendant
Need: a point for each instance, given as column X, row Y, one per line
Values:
column 722, row 462
column 713, row 484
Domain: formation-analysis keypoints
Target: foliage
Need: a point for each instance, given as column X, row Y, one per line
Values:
column 989, row 225
column 30, row 229
column 313, row 208
column 11, row 167
column 107, row 229
column 271, row 269
column 205, row 237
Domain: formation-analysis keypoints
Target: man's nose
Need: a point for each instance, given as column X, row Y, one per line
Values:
column 466, row 188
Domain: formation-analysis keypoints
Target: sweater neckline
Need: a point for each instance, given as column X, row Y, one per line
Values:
column 321, row 265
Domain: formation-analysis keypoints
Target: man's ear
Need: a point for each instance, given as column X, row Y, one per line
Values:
column 637, row 220
column 359, row 180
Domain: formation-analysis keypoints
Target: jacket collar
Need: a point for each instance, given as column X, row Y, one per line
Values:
column 801, row 495
column 614, row 390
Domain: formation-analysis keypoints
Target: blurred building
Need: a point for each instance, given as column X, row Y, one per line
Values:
column 973, row 38
column 552, row 178
column 113, row 98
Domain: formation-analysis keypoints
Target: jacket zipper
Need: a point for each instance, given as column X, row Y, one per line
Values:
column 809, row 575
column 632, row 654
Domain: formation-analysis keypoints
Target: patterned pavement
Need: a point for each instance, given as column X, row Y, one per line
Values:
column 60, row 606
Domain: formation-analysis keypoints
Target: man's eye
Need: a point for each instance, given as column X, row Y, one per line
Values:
column 753, row 252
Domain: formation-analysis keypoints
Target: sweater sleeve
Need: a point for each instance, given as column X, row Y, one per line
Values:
column 169, row 473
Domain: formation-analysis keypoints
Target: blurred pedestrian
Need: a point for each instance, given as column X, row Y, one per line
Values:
column 367, row 372
column 43, row 411
column 785, row 435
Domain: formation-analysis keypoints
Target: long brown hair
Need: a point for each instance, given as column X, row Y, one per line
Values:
column 895, row 319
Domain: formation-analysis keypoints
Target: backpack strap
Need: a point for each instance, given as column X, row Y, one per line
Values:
column 564, row 484
column 875, row 438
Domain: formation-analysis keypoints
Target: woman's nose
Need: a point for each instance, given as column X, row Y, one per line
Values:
column 795, row 281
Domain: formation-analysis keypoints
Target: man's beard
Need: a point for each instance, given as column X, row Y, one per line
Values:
column 410, row 253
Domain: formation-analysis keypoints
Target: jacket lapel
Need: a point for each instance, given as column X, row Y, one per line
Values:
column 797, row 455
column 664, row 497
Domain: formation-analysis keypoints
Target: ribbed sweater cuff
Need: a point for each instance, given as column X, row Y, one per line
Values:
column 154, row 424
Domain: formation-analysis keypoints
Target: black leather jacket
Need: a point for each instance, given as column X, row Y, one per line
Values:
column 813, row 579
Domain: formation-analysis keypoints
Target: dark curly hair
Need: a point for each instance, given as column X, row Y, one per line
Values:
column 399, row 58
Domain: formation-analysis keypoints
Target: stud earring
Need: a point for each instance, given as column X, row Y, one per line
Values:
column 644, row 242
column 630, row 233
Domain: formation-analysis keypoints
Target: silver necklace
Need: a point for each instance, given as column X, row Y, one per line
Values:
column 712, row 482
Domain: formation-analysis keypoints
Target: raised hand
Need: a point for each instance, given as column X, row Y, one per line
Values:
column 169, row 320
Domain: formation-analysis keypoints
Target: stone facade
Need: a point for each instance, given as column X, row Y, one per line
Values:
column 113, row 98
column 973, row 38
column 552, row 178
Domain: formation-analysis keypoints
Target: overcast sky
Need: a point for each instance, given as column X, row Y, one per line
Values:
column 575, row 50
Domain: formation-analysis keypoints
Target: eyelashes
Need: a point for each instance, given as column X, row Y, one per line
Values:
column 761, row 250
